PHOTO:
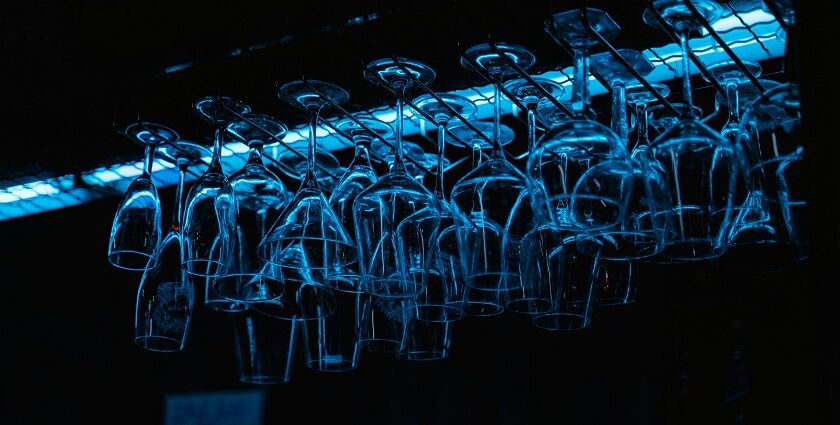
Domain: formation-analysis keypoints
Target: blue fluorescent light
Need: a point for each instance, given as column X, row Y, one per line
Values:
column 50, row 194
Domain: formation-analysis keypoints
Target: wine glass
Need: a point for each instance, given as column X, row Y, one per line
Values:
column 448, row 290
column 210, row 214
column 479, row 302
column 165, row 296
column 483, row 199
column 752, row 224
column 135, row 232
column 567, row 151
column 530, row 297
column 618, row 78
column 260, row 198
column 700, row 165
column 392, row 266
column 308, row 226
column 774, row 124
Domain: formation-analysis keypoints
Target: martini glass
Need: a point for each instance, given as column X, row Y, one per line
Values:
column 700, row 165
column 135, row 232
column 260, row 198
column 165, row 296
column 483, row 199
column 394, row 261
column 210, row 215
column 308, row 235
column 568, row 150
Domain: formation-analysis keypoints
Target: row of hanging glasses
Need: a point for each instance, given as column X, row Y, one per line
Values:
column 382, row 263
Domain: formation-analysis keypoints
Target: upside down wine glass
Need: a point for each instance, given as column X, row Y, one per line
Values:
column 135, row 232
column 260, row 198
column 530, row 296
column 641, row 231
column 166, row 294
column 394, row 260
column 308, row 235
column 483, row 199
column 700, row 165
column 210, row 214
column 567, row 151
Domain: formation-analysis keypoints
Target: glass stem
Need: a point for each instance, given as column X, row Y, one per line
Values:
column 619, row 111
column 641, row 125
column 216, row 162
column 580, row 85
column 476, row 155
column 310, row 179
column 255, row 156
column 682, row 32
column 732, row 103
column 497, row 116
column 399, row 165
column 532, row 127
column 148, row 159
column 441, row 139
column 183, row 164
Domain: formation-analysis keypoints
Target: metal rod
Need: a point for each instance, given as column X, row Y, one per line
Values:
column 347, row 114
column 748, row 28
column 276, row 139
column 665, row 26
column 434, row 95
column 530, row 80
column 425, row 116
column 740, row 64
column 777, row 14
column 615, row 54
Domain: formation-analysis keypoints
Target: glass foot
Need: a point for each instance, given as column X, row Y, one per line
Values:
column 259, row 127
column 386, row 72
column 471, row 138
column 491, row 61
column 526, row 93
column 149, row 133
column 186, row 150
column 638, row 94
column 568, row 26
column 305, row 94
column 375, row 126
column 219, row 110
column 440, row 113
column 676, row 13
column 612, row 70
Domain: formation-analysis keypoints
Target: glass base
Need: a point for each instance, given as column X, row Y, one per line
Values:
column 264, row 380
column 205, row 268
column 561, row 322
column 132, row 260
column 160, row 344
column 339, row 366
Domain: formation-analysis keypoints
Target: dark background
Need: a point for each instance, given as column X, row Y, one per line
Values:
column 72, row 72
